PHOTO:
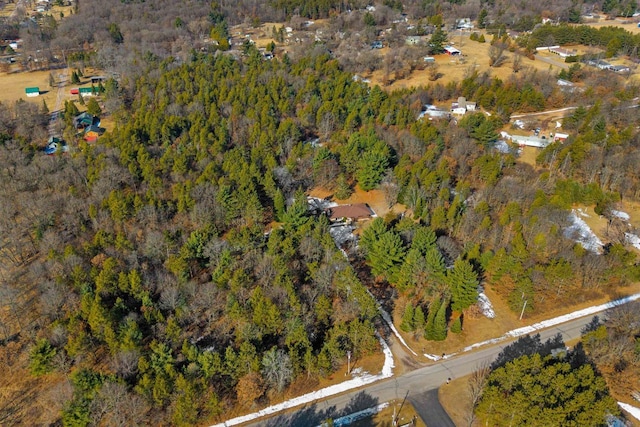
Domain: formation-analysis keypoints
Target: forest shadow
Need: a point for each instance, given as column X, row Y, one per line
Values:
column 314, row 415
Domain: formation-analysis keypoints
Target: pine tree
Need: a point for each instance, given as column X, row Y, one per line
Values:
column 343, row 189
column 386, row 256
column 279, row 205
column 482, row 18
column 418, row 320
column 464, row 285
column 429, row 332
column 439, row 331
column 75, row 79
column 93, row 107
column 407, row 324
column 456, row 325
column 437, row 41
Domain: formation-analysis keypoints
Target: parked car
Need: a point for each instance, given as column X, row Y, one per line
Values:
column 54, row 147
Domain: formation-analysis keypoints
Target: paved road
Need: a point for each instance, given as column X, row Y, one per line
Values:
column 417, row 382
column 428, row 407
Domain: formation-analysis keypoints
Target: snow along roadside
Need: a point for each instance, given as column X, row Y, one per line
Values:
column 387, row 372
column 555, row 321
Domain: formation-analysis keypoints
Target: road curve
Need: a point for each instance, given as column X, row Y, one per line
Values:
column 415, row 382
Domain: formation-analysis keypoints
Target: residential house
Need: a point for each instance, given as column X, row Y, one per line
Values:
column 91, row 133
column 464, row 24
column 462, row 106
column 620, row 68
column 84, row 120
column 563, row 53
column 354, row 212
column 599, row 63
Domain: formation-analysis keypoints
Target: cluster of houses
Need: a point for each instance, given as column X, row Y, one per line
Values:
column 604, row 65
column 458, row 108
column 88, row 126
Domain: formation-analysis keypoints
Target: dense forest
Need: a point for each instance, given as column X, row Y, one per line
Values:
column 175, row 264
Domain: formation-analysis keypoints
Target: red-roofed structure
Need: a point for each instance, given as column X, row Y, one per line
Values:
column 355, row 212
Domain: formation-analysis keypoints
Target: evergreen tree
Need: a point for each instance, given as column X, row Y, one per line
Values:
column 439, row 330
column 372, row 234
column 93, row 107
column 298, row 213
column 456, row 325
column 279, row 205
column 343, row 189
column 75, row 79
column 437, row 41
column 429, row 329
column 418, row 320
column 407, row 324
column 386, row 256
column 482, row 18
column 464, row 285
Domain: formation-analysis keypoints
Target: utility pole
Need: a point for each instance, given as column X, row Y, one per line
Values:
column 397, row 415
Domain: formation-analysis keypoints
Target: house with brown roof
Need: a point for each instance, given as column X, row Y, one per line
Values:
column 354, row 212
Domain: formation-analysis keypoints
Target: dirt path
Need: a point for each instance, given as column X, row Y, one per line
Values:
column 54, row 129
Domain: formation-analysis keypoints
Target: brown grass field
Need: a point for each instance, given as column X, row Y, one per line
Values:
column 475, row 57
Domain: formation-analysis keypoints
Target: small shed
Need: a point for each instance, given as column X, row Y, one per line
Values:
column 450, row 50
column 355, row 212
column 74, row 91
column 560, row 136
column 32, row 91
column 86, row 91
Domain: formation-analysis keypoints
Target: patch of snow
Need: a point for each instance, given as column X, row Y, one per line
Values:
column 432, row 357
column 342, row 233
column 356, row 416
column 555, row 321
column 583, row 212
column 621, row 215
column 518, row 123
column 502, row 146
column 635, row 412
column 320, row 204
column 633, row 240
column 485, row 305
column 580, row 232
column 387, row 371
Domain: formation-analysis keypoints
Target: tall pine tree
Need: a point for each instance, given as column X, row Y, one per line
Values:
column 464, row 285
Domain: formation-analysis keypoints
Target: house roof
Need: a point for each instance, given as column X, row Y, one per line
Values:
column 32, row 90
column 84, row 119
column 95, row 129
column 355, row 211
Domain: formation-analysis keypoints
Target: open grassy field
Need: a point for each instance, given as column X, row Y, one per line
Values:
column 475, row 57
column 12, row 86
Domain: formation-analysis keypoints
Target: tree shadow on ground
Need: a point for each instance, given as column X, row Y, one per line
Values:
column 316, row 414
